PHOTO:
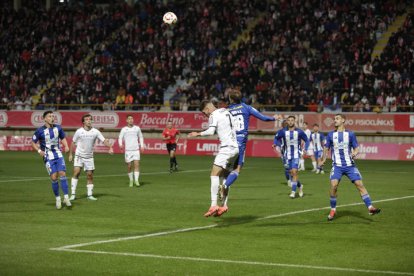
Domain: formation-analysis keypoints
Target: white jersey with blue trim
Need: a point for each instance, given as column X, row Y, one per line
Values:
column 341, row 143
column 292, row 142
column 48, row 139
column 317, row 140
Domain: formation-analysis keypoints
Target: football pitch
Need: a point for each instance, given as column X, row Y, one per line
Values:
column 159, row 228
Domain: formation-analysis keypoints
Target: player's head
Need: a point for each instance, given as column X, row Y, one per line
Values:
column 87, row 120
column 315, row 127
column 305, row 125
column 339, row 120
column 235, row 96
column 291, row 121
column 284, row 123
column 130, row 120
column 207, row 107
column 169, row 124
column 49, row 117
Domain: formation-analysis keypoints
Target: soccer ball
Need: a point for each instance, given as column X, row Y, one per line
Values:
column 169, row 18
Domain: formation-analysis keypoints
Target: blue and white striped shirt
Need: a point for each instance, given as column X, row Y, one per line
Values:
column 48, row 139
column 317, row 140
column 341, row 143
column 291, row 142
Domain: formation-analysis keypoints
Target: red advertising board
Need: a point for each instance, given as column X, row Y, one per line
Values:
column 255, row 148
column 358, row 122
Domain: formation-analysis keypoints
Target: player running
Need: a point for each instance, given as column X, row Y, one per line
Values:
column 170, row 136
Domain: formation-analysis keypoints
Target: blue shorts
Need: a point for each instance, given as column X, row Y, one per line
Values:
column 318, row 154
column 55, row 165
column 242, row 150
column 292, row 163
column 351, row 172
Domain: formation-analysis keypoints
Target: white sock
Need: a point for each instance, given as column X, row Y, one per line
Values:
column 66, row 196
column 314, row 165
column 90, row 189
column 215, row 182
column 130, row 176
column 302, row 163
column 136, row 176
column 58, row 198
column 74, row 184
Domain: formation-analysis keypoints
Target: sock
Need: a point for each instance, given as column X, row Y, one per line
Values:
column 215, row 181
column 175, row 161
column 171, row 162
column 287, row 174
column 302, row 163
column 333, row 202
column 74, row 184
column 226, row 198
column 367, row 200
column 314, row 165
column 136, row 176
column 89, row 187
column 64, row 185
column 231, row 178
column 130, row 176
column 55, row 188
column 294, row 185
column 299, row 184
column 66, row 196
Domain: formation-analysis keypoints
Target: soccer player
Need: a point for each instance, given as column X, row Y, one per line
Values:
column 310, row 151
column 344, row 148
column 170, row 136
column 317, row 141
column 131, row 134
column 85, row 138
column 278, row 147
column 291, row 138
column 46, row 142
column 222, row 122
column 242, row 113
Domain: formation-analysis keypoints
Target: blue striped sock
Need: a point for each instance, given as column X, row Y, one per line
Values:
column 367, row 200
column 287, row 174
column 55, row 187
column 294, row 185
column 333, row 202
column 64, row 185
column 231, row 178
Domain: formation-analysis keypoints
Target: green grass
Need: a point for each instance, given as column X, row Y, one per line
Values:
column 30, row 225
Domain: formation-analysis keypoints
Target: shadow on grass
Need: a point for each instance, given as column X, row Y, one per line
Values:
column 230, row 221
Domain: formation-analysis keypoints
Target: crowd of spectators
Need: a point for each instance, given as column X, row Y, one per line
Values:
column 302, row 55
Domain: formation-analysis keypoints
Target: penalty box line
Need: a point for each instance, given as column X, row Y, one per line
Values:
column 71, row 248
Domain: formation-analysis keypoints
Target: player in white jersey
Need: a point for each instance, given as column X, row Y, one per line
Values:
column 131, row 134
column 310, row 151
column 344, row 148
column 221, row 122
column 85, row 138
column 317, row 140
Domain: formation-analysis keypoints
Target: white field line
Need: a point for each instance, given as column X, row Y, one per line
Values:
column 215, row 225
column 96, row 176
column 329, row 268
column 70, row 248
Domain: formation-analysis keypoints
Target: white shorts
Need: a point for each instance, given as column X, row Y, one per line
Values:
column 87, row 164
column 132, row 155
column 226, row 157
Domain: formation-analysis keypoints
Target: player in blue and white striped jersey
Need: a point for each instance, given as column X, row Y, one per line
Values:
column 317, row 140
column 46, row 142
column 291, row 138
column 344, row 148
